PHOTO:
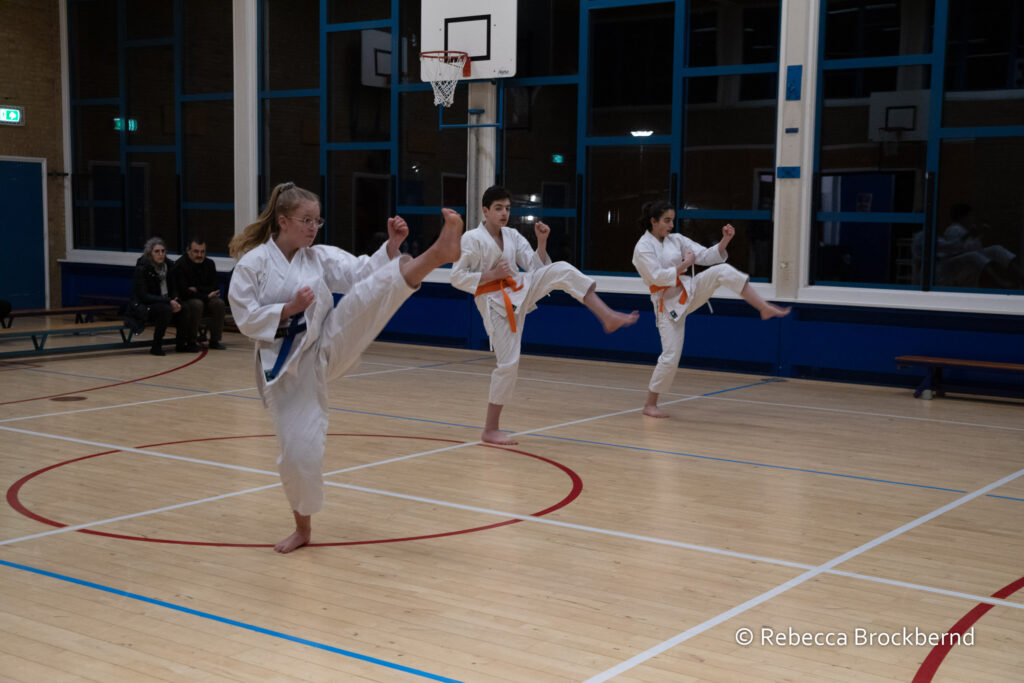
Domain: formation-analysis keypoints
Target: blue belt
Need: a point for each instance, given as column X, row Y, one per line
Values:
column 295, row 327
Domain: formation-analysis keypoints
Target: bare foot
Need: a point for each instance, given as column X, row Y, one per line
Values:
column 497, row 437
column 773, row 311
column 449, row 242
column 654, row 411
column 296, row 540
column 617, row 320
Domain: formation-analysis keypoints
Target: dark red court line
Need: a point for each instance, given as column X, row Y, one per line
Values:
column 931, row 663
column 14, row 500
column 198, row 358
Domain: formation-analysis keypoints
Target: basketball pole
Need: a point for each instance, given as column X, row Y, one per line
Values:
column 481, row 149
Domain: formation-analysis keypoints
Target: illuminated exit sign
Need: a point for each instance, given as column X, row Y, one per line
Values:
column 12, row 116
column 133, row 125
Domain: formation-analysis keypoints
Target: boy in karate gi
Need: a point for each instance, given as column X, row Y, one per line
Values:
column 489, row 268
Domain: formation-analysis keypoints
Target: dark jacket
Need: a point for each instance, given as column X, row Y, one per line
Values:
column 146, row 291
column 146, row 283
column 202, row 276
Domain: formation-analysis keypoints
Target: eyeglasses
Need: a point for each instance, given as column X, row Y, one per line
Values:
column 316, row 223
column 159, row 250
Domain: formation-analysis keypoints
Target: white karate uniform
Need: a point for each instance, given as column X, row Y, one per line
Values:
column 480, row 253
column 656, row 262
column 262, row 283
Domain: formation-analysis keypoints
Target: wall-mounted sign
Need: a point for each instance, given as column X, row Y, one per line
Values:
column 12, row 116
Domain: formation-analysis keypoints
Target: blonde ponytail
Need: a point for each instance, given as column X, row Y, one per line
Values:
column 284, row 198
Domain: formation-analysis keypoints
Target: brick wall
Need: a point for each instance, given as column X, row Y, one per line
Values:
column 30, row 77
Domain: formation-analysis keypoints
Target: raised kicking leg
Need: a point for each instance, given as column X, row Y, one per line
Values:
column 768, row 310
column 446, row 249
column 611, row 320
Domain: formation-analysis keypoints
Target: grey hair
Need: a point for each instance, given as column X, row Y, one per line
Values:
column 147, row 250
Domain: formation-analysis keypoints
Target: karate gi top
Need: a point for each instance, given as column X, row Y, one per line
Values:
column 656, row 262
column 480, row 253
column 264, row 281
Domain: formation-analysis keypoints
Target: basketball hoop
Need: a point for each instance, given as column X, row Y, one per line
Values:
column 444, row 68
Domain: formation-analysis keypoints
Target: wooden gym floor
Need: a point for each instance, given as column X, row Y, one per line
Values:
column 848, row 527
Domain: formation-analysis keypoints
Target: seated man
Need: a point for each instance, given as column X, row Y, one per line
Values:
column 196, row 280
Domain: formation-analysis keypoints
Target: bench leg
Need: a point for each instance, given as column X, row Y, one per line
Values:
column 39, row 341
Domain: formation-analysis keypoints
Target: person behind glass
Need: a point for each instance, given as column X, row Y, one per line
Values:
column 153, row 288
column 195, row 278
column 283, row 295
column 489, row 269
column 662, row 258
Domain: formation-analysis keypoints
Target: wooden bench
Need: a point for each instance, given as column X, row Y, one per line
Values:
column 82, row 314
column 931, row 385
column 39, row 334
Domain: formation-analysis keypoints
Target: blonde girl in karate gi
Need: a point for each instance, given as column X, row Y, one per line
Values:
column 662, row 258
column 489, row 268
column 283, row 296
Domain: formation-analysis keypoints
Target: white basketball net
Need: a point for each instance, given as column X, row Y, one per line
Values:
column 443, row 72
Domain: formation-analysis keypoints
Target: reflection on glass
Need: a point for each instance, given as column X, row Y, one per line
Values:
column 750, row 250
column 868, row 28
column 631, row 83
column 208, row 151
column 728, row 147
column 291, row 143
column 979, row 234
column 207, row 47
column 540, row 144
column 621, row 179
column 358, row 200
column 359, row 80
column 432, row 162
column 984, row 64
column 151, row 95
column 864, row 253
column 92, row 31
column 549, row 47
column 342, row 11
column 879, row 137
column 291, row 58
column 740, row 32
column 152, row 200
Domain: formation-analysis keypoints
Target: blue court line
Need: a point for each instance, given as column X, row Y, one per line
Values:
column 636, row 448
column 231, row 622
column 204, row 391
column 749, row 462
column 992, row 495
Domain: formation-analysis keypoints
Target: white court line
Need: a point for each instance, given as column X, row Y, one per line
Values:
column 681, row 544
column 982, row 599
column 792, row 583
column 100, row 522
column 567, row 383
column 867, row 414
column 127, row 405
column 529, row 518
column 143, row 451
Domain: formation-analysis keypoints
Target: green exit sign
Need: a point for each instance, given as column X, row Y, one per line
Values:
column 133, row 125
column 12, row 116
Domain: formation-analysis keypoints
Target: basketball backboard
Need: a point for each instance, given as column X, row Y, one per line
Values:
column 486, row 29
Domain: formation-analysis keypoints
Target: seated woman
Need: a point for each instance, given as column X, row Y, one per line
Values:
column 153, row 289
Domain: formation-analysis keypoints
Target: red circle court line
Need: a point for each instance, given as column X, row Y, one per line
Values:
column 198, row 358
column 15, row 502
column 938, row 653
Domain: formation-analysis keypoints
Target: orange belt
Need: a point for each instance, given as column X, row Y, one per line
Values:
column 661, row 304
column 502, row 284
